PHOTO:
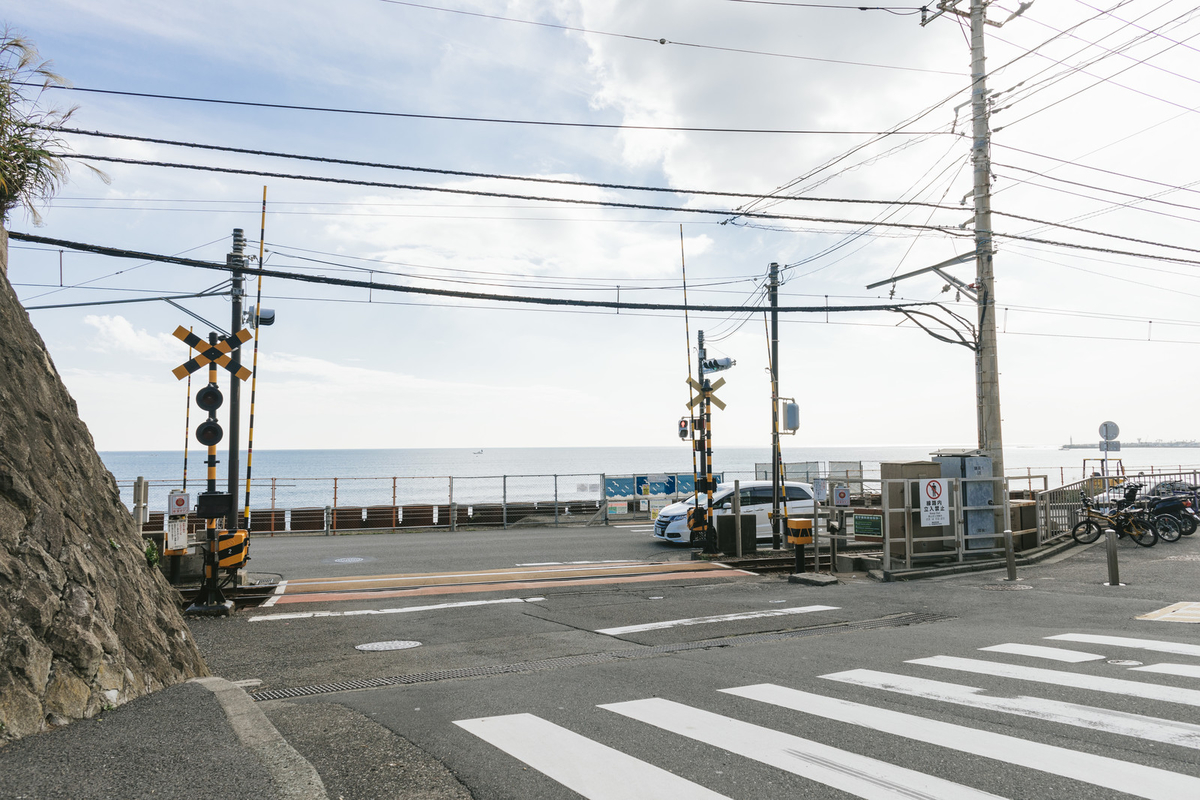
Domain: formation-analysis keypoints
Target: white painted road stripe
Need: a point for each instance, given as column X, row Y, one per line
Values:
column 576, row 563
column 1123, row 776
column 508, row 573
column 1182, row 670
column 1095, row 683
column 1140, row 644
column 675, row 623
column 1153, row 729
column 589, row 768
column 273, row 599
column 1037, row 651
column 850, row 772
column 405, row 610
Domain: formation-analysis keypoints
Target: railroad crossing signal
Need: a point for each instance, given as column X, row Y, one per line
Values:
column 209, row 353
column 701, row 393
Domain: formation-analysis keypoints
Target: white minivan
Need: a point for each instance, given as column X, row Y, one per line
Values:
column 671, row 523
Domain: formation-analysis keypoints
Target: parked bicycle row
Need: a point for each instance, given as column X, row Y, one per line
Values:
column 1166, row 512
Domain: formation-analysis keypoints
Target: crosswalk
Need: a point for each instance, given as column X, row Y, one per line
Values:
column 602, row 772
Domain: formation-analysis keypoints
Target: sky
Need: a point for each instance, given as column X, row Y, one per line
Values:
column 1094, row 108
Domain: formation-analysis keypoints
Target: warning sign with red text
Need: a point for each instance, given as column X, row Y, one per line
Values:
column 935, row 508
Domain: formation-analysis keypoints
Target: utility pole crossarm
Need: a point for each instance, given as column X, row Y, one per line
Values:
column 941, row 264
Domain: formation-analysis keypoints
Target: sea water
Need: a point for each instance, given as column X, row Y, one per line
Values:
column 293, row 478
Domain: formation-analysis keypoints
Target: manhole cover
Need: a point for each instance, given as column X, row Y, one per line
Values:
column 1005, row 587
column 1182, row 558
column 350, row 560
column 375, row 647
column 1123, row 662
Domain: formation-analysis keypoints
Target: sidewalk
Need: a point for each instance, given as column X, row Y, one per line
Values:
column 204, row 739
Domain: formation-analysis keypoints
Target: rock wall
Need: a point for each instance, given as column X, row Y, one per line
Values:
column 85, row 623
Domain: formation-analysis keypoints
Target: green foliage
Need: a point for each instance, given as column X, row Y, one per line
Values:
column 114, row 544
column 151, row 554
column 32, row 165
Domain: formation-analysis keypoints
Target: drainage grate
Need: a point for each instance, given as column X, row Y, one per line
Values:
column 589, row 659
column 1005, row 587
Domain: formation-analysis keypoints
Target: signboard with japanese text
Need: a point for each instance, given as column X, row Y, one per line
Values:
column 177, row 534
column 935, row 509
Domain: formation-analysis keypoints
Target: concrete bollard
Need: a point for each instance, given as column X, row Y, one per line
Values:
column 1114, row 576
column 1010, row 557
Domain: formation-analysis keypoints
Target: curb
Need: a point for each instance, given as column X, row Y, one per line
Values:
column 1030, row 558
column 293, row 776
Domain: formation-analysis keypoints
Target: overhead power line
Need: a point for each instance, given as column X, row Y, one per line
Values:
column 465, row 174
column 496, row 120
column 507, row 195
column 614, row 204
column 663, row 41
column 387, row 287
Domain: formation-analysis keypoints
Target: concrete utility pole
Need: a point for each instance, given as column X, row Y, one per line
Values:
column 773, row 294
column 987, row 370
column 237, row 260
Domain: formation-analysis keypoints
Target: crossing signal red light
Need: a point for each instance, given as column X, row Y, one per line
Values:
column 209, row 398
column 209, row 433
column 685, row 428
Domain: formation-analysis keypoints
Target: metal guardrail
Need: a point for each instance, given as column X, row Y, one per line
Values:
column 907, row 543
column 341, row 504
column 1058, row 509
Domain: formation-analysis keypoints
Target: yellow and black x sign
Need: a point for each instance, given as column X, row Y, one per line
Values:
column 712, row 388
column 209, row 353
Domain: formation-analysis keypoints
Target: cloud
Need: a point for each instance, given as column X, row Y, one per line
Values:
column 117, row 335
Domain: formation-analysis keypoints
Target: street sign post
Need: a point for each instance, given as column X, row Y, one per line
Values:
column 1109, row 433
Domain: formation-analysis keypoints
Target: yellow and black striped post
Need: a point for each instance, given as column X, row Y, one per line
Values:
column 262, row 235
column 710, row 531
column 212, row 590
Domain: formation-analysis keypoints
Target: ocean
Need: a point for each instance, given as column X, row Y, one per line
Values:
column 304, row 478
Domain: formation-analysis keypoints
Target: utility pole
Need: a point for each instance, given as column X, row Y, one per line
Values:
column 705, row 445
column 987, row 370
column 776, row 458
column 986, row 366
column 236, row 260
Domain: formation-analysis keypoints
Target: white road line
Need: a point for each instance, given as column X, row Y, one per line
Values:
column 421, row 576
column 594, row 770
column 1123, row 641
column 1123, row 776
column 273, row 599
column 576, row 563
column 850, row 772
column 405, row 610
column 1153, row 729
column 1095, row 683
column 1183, row 670
column 1037, row 651
column 675, row 623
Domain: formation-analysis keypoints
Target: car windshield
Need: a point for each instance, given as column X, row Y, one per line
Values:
column 718, row 495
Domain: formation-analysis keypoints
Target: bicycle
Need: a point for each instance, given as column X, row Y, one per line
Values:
column 1126, row 521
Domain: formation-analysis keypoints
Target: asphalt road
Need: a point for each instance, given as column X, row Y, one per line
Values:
column 531, row 699
column 430, row 551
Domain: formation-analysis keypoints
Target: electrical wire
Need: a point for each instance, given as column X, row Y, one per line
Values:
column 454, row 118
column 454, row 293
column 480, row 193
column 460, row 173
column 663, row 41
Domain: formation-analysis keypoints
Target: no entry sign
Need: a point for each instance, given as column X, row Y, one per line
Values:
column 935, row 509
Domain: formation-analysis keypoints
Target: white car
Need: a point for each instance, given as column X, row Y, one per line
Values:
column 671, row 523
